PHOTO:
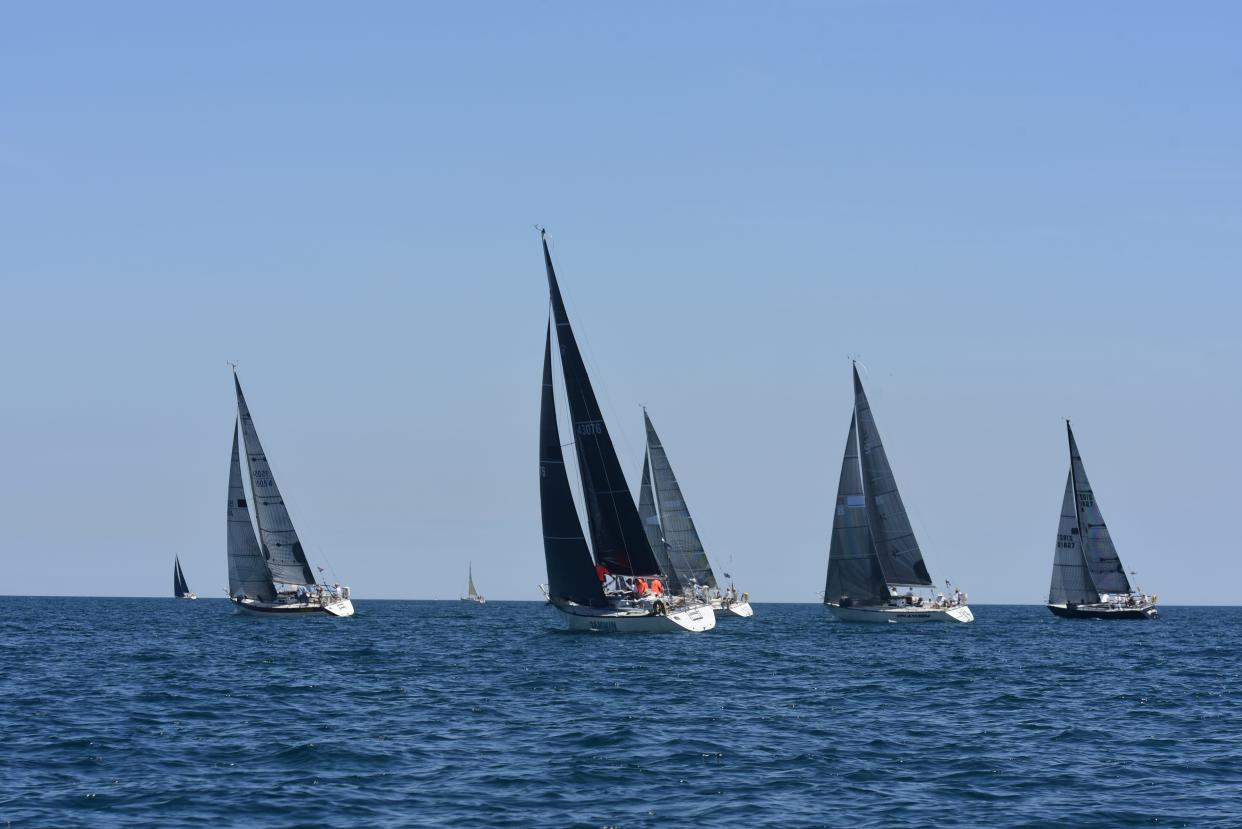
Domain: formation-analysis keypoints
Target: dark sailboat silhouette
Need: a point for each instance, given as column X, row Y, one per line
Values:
column 181, row 590
column 1088, row 581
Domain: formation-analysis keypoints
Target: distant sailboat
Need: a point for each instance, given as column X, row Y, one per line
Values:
column 673, row 536
column 181, row 590
column 873, row 553
column 1088, row 581
column 269, row 574
column 472, row 595
column 621, row 590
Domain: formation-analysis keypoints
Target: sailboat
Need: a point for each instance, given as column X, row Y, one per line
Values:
column 269, row 574
column 472, row 595
column 181, row 590
column 673, row 537
column 1088, row 581
column 621, row 588
column 873, row 553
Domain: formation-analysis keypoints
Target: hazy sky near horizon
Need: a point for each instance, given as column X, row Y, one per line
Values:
column 1011, row 213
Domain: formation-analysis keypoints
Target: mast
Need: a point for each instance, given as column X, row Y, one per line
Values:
column 854, row 571
column 571, row 575
column 279, row 540
column 685, row 548
column 651, row 523
column 617, row 534
column 1103, row 563
column 248, row 572
column 895, row 544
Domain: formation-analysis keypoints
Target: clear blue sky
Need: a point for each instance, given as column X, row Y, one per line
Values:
column 1012, row 213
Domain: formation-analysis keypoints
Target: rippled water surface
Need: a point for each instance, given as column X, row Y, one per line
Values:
column 129, row 712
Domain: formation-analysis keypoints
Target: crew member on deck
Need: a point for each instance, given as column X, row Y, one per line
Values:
column 657, row 587
column 641, row 587
column 601, row 573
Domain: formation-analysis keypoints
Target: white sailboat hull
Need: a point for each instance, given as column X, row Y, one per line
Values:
column 893, row 614
column 736, row 610
column 334, row 607
column 188, row 596
column 474, row 599
column 637, row 620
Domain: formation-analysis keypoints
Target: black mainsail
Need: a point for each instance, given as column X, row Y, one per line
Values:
column 895, row 544
column 685, row 548
column 286, row 560
column 1099, row 553
column 180, row 588
column 248, row 573
column 617, row 535
column 571, row 575
column 854, row 572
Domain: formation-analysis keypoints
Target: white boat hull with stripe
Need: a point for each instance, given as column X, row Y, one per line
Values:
column 696, row 619
column 894, row 614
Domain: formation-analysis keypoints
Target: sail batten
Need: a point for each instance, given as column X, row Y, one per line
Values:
column 248, row 571
column 571, row 574
column 282, row 549
column 685, row 549
column 896, row 547
column 854, row 571
column 618, row 539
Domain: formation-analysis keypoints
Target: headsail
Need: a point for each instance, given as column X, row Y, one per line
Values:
column 895, row 544
column 279, row 540
column 1107, row 574
column 248, row 573
column 685, row 549
column 854, row 571
column 571, row 575
column 617, row 534
column 1071, row 580
column 651, row 523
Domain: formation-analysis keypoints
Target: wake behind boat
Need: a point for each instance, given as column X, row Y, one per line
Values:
column 622, row 589
column 181, row 590
column 873, row 553
column 273, row 577
column 472, row 594
column 1088, row 581
column 673, row 537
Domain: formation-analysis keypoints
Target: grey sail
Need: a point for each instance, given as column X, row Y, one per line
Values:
column 685, row 549
column 470, row 591
column 854, row 572
column 278, row 539
column 248, row 574
column 1107, row 574
column 895, row 544
column 1071, row 580
column 651, row 523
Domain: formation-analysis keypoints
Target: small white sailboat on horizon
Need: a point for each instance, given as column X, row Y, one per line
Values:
column 269, row 575
column 674, row 538
column 874, row 555
column 472, row 595
column 181, row 590
column 1088, row 581
column 616, row 584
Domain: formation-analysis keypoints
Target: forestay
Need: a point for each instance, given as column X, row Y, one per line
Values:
column 286, row 560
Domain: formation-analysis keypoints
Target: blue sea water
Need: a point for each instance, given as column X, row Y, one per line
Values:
column 150, row 712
